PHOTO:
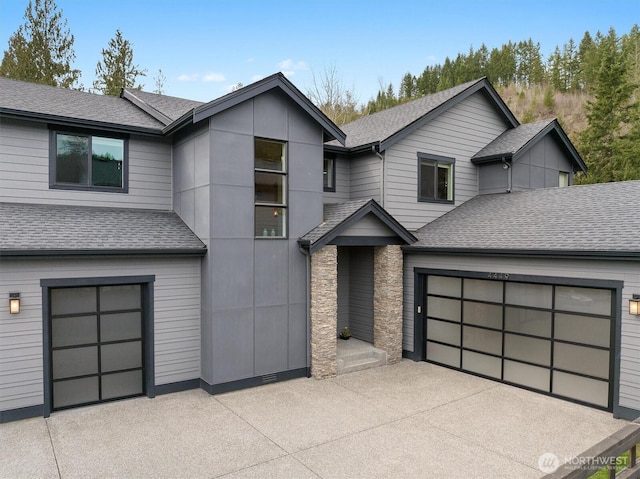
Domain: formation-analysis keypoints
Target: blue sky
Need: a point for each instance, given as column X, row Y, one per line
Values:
column 206, row 46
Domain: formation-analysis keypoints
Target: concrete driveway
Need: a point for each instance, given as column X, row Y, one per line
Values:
column 406, row 420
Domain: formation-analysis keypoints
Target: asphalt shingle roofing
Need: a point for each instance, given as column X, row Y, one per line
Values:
column 380, row 126
column 170, row 106
column 38, row 229
column 61, row 103
column 511, row 141
column 334, row 215
column 587, row 218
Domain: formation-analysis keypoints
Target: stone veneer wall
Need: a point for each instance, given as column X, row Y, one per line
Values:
column 387, row 301
column 324, row 311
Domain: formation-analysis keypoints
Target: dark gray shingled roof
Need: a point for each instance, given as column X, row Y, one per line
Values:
column 384, row 124
column 170, row 106
column 338, row 217
column 61, row 104
column 35, row 229
column 576, row 220
column 509, row 142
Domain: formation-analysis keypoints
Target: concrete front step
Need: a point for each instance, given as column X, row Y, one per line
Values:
column 358, row 355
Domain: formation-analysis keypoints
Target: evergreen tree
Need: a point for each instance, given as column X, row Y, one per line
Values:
column 41, row 50
column 587, row 61
column 609, row 114
column 116, row 70
column 408, row 88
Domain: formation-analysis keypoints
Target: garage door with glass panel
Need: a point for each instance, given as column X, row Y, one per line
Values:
column 96, row 344
column 551, row 338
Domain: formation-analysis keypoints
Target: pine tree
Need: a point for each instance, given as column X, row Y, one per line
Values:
column 116, row 70
column 41, row 50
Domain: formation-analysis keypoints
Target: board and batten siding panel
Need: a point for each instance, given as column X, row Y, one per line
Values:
column 176, row 319
column 343, row 182
column 626, row 271
column 361, row 293
column 365, row 178
column 24, row 171
column 458, row 133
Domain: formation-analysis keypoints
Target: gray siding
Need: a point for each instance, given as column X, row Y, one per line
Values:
column 343, row 182
column 361, row 293
column 539, row 166
column 366, row 181
column 24, row 171
column 369, row 225
column 254, row 290
column 458, row 133
column 343, row 288
column 493, row 178
column 176, row 319
column 626, row 271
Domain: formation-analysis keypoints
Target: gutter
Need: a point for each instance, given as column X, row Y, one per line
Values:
column 97, row 253
column 523, row 253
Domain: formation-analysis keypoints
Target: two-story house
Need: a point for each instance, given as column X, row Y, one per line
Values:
column 151, row 244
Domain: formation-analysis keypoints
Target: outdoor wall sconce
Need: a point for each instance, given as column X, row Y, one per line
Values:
column 634, row 305
column 14, row 303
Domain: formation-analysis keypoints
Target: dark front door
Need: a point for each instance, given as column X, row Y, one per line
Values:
column 96, row 344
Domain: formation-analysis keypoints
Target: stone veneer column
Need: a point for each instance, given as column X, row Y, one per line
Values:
column 387, row 301
column 324, row 311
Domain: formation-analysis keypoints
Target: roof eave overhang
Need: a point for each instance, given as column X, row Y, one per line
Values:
column 492, row 159
column 66, row 253
column 369, row 207
column 278, row 80
column 481, row 85
column 527, row 253
column 66, row 121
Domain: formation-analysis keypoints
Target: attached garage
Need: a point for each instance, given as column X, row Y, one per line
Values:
column 546, row 334
column 532, row 289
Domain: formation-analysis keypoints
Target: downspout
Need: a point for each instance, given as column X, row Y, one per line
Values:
column 381, row 156
column 306, row 252
column 507, row 166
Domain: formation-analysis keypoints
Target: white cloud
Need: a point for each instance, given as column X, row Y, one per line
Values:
column 213, row 77
column 189, row 77
column 289, row 67
column 249, row 60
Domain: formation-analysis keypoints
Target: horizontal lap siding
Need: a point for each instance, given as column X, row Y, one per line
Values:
column 458, row 133
column 365, row 178
column 176, row 319
column 343, row 178
column 628, row 272
column 24, row 171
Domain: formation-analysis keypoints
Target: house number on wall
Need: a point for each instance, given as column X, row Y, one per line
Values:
column 504, row 276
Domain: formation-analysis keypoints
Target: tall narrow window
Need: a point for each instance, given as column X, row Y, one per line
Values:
column 270, row 189
column 435, row 178
column 329, row 173
column 563, row 178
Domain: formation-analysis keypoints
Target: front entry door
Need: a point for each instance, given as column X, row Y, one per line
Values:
column 96, row 345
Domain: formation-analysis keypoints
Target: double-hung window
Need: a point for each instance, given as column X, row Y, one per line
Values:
column 88, row 162
column 435, row 178
column 270, row 189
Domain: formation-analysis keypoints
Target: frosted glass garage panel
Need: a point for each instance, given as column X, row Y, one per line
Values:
column 482, row 314
column 121, row 384
column 120, row 326
column 443, row 332
column 527, row 375
column 121, row 356
column 580, row 388
column 443, row 354
column 581, row 359
column 482, row 340
column 75, row 362
column 73, row 331
column 75, row 391
column 444, row 286
column 443, row 308
column 583, row 329
column 529, row 294
column 483, row 290
column 481, row 364
column 528, row 349
column 73, row 301
column 583, row 300
column 528, row 321
column 116, row 298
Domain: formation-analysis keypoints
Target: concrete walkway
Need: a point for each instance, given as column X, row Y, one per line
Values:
column 406, row 420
